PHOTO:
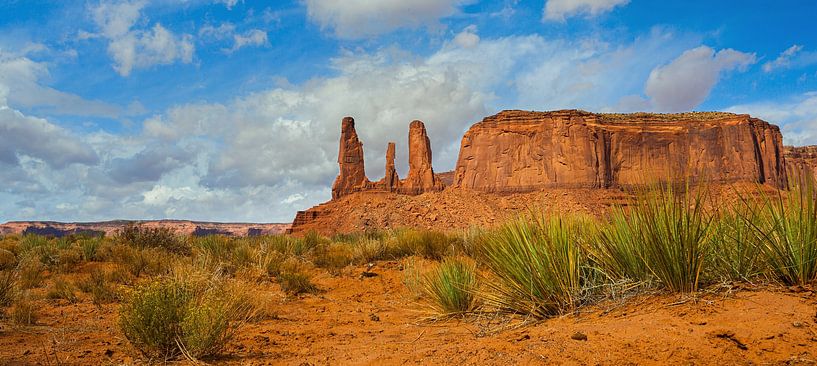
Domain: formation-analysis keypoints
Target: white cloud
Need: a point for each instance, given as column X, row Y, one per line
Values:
column 685, row 82
column 796, row 116
column 253, row 37
column 21, row 77
column 468, row 37
column 792, row 57
column 138, row 48
column 229, row 4
column 363, row 18
column 783, row 60
column 24, row 136
column 559, row 10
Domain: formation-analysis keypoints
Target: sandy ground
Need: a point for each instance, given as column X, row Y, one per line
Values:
column 373, row 321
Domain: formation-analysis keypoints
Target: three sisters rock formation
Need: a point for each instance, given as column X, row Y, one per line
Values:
column 519, row 151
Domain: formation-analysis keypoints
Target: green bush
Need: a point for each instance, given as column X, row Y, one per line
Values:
column 295, row 280
column 428, row 244
column 450, row 288
column 169, row 317
column 536, row 265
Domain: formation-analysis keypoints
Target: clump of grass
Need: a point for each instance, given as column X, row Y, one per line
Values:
column 100, row 286
column 62, row 290
column 149, row 261
column 8, row 260
column 90, row 248
column 69, row 258
column 32, row 272
column 368, row 250
column 787, row 232
column 428, row 244
column 8, row 281
column 173, row 316
column 143, row 237
column 449, row 288
column 333, row 257
column 618, row 249
column 536, row 266
column 734, row 250
column 295, row 280
column 665, row 232
column 24, row 310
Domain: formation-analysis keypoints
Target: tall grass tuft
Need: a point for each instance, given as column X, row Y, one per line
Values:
column 673, row 228
column 735, row 254
column 450, row 288
column 7, row 287
column 618, row 249
column 536, row 265
column 787, row 232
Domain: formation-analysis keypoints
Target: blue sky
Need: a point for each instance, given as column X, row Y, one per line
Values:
column 229, row 110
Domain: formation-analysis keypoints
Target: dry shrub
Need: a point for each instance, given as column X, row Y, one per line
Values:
column 99, row 285
column 295, row 280
column 191, row 315
column 62, row 289
column 24, row 310
column 333, row 257
column 144, row 237
column 31, row 272
column 8, row 282
column 8, row 260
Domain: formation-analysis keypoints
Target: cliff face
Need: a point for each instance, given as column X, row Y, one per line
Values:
column 516, row 151
column 571, row 152
column 802, row 160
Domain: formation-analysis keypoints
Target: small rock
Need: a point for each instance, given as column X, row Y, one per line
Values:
column 374, row 317
column 579, row 336
column 108, row 352
column 797, row 324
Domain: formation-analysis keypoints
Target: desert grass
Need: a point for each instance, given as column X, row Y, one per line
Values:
column 450, row 288
column 535, row 264
column 787, row 233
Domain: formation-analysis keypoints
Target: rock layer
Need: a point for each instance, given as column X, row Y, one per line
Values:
column 802, row 160
column 517, row 151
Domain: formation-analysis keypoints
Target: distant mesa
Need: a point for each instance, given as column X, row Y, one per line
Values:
column 195, row 228
column 518, row 152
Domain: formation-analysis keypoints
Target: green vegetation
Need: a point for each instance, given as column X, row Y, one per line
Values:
column 535, row 265
column 172, row 316
column 450, row 288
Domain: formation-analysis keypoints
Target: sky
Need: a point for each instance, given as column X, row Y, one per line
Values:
column 230, row 110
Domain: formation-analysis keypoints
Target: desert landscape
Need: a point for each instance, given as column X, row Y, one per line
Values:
column 392, row 182
column 551, row 244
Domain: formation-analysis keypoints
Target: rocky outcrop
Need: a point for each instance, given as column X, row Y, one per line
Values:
column 522, row 155
column 352, row 174
column 802, row 161
column 421, row 176
column 518, row 151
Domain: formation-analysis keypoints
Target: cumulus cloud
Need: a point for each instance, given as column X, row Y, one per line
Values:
column 468, row 37
column 685, row 82
column 23, row 136
column 363, row 18
column 797, row 117
column 138, row 48
column 559, row 10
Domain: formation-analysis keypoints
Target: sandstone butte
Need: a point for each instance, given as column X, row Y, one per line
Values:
column 586, row 157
